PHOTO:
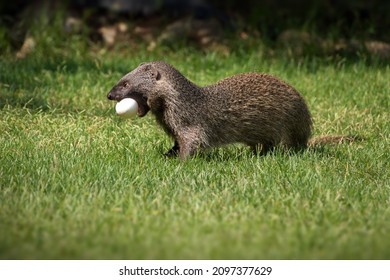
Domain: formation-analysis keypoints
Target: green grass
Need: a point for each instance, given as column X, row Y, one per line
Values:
column 78, row 182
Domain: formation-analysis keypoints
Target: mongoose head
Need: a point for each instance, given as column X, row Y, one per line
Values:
column 138, row 84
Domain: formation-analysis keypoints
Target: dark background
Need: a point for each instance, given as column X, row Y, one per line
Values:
column 349, row 19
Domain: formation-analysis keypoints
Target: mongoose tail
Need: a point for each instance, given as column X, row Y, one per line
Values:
column 333, row 139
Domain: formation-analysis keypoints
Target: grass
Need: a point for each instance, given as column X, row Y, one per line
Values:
column 77, row 182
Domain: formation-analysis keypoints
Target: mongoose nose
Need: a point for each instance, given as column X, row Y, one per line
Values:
column 109, row 96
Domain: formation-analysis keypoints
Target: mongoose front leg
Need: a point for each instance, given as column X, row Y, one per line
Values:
column 187, row 150
column 190, row 140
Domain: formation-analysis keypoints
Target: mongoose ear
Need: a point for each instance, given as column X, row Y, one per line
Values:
column 155, row 73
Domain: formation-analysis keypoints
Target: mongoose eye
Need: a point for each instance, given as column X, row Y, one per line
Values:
column 126, row 84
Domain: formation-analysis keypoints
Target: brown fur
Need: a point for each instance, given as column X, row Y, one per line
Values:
column 252, row 108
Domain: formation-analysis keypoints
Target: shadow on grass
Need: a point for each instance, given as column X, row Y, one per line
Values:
column 237, row 152
column 322, row 148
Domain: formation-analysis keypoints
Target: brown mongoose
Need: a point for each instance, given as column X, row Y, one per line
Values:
column 256, row 109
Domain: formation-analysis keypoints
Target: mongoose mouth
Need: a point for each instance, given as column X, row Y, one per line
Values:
column 143, row 107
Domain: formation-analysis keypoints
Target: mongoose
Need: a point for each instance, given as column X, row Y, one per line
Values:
column 256, row 109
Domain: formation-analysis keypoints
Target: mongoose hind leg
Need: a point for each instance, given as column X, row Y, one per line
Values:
column 297, row 144
column 261, row 149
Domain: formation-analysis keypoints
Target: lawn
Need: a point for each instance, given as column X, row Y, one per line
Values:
column 78, row 182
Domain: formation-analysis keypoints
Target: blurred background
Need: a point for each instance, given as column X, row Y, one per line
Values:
column 324, row 27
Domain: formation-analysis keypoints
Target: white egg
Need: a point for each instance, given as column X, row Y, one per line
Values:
column 126, row 108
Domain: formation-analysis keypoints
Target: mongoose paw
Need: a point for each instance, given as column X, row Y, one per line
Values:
column 174, row 151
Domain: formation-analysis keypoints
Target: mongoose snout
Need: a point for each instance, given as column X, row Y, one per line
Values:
column 132, row 85
column 256, row 109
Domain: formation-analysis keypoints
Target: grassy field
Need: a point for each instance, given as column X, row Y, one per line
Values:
column 77, row 182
